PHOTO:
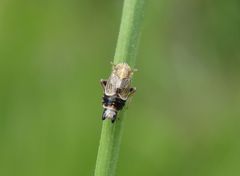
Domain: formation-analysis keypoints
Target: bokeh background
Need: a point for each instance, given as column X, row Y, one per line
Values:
column 184, row 119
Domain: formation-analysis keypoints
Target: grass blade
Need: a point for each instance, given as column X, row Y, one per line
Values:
column 126, row 51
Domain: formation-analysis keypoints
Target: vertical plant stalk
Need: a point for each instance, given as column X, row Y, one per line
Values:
column 125, row 52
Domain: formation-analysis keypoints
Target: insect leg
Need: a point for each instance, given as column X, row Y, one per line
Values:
column 114, row 118
column 132, row 90
column 103, row 115
column 103, row 83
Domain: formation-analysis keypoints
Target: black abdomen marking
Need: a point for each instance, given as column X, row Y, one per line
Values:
column 114, row 101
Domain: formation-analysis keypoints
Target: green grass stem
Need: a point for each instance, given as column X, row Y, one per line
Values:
column 126, row 51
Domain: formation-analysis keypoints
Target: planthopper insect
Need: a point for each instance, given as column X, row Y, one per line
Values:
column 117, row 89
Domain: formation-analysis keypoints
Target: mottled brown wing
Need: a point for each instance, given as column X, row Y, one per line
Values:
column 124, row 83
column 111, row 86
column 124, row 93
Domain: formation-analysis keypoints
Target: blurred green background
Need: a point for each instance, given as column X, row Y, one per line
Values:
column 183, row 120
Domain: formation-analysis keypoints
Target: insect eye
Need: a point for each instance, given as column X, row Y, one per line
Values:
column 116, row 69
